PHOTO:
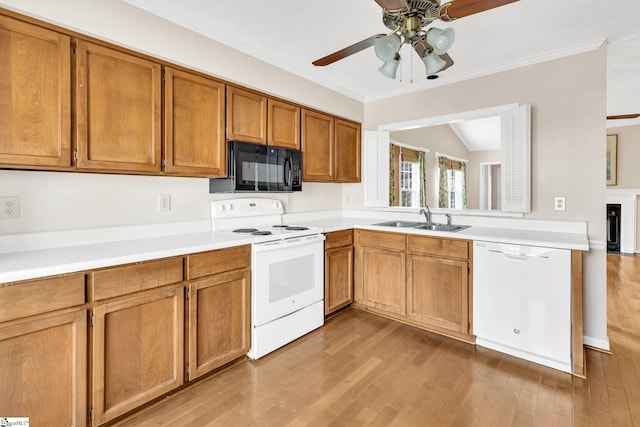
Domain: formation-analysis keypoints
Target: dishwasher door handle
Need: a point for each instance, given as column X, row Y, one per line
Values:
column 518, row 257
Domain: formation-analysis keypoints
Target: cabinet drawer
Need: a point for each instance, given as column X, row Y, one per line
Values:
column 32, row 297
column 380, row 239
column 449, row 248
column 336, row 239
column 218, row 261
column 112, row 282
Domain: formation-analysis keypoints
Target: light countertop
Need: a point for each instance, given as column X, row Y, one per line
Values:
column 29, row 264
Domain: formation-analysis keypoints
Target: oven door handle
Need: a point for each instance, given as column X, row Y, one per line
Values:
column 288, row 243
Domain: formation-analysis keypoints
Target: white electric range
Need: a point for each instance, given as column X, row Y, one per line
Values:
column 287, row 271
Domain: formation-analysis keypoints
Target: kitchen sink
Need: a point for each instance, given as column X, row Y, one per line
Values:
column 442, row 227
column 400, row 224
column 423, row 226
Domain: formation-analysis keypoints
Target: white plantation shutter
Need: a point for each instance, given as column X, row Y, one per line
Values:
column 516, row 159
column 376, row 169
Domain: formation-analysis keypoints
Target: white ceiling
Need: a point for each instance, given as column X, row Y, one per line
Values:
column 293, row 33
column 479, row 134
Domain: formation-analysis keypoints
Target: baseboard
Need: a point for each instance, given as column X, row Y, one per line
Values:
column 597, row 343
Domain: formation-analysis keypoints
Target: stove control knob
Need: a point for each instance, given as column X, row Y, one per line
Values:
column 276, row 204
column 221, row 208
column 229, row 207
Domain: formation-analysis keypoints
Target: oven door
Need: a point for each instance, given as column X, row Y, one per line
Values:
column 288, row 275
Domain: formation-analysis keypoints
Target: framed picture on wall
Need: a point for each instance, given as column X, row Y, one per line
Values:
column 612, row 159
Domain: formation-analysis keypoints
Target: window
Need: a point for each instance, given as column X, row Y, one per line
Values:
column 455, row 189
column 452, row 183
column 409, row 184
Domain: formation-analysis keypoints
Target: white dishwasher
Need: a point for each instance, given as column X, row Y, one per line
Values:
column 522, row 302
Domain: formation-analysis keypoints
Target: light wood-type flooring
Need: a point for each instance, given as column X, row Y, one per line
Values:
column 360, row 369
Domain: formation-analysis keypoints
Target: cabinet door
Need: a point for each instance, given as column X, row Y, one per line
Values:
column 118, row 110
column 219, row 321
column 438, row 292
column 246, row 116
column 284, row 124
column 338, row 286
column 35, row 96
column 138, row 349
column 347, row 151
column 44, row 370
column 317, row 146
column 380, row 279
column 194, row 141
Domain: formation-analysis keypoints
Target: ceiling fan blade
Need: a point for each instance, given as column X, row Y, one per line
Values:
column 392, row 4
column 461, row 8
column 447, row 58
column 347, row 51
column 623, row 116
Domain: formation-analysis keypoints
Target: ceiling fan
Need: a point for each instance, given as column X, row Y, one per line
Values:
column 407, row 19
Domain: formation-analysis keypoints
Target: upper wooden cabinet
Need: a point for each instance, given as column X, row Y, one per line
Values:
column 117, row 99
column 331, row 148
column 347, row 151
column 317, row 146
column 194, row 109
column 35, row 96
column 283, row 124
column 246, row 116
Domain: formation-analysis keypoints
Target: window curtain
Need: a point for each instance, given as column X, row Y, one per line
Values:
column 396, row 155
column 443, row 184
column 445, row 165
column 394, row 175
column 423, row 178
column 463, row 172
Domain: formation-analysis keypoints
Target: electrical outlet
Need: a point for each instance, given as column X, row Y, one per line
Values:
column 9, row 207
column 164, row 202
column 559, row 203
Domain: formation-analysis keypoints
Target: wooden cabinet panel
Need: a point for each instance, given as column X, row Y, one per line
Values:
column 380, row 279
column 219, row 321
column 338, row 286
column 33, row 297
column 118, row 110
column 35, row 96
column 338, row 238
column 122, row 280
column 438, row 292
column 246, row 116
column 218, row 261
column 450, row 248
column 380, row 239
column 317, row 146
column 194, row 110
column 283, row 124
column 348, row 143
column 44, row 370
column 138, row 350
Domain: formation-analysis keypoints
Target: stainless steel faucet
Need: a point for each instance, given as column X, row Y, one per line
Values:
column 427, row 214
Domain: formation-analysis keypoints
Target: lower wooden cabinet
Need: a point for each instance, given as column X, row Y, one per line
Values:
column 43, row 373
column 437, row 291
column 420, row 280
column 338, row 270
column 219, row 310
column 138, row 350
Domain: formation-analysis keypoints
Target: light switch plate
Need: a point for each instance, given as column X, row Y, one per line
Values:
column 559, row 203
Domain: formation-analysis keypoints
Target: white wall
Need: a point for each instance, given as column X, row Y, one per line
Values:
column 568, row 99
column 58, row 201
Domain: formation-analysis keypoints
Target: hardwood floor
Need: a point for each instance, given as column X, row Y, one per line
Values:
column 361, row 369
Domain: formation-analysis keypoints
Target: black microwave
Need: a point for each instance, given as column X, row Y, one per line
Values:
column 259, row 168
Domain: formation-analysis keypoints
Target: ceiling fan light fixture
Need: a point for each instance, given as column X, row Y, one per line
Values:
column 433, row 63
column 389, row 68
column 387, row 47
column 441, row 40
